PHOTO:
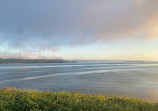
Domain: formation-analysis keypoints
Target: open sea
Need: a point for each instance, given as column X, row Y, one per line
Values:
column 135, row 79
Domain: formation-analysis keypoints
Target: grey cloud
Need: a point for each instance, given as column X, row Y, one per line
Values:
column 49, row 24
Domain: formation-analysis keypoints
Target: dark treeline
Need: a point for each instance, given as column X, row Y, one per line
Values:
column 7, row 61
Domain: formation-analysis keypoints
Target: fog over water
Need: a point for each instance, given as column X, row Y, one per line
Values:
column 138, row 79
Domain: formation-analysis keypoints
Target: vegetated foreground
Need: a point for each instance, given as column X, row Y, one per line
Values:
column 31, row 100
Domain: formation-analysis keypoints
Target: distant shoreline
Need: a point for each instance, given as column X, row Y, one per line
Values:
column 33, row 61
column 12, row 63
column 38, row 63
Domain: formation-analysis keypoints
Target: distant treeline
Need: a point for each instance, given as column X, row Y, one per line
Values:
column 10, row 61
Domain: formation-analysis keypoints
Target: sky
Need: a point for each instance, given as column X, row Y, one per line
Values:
column 79, row 29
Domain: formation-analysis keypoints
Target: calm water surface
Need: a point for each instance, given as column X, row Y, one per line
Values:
column 139, row 79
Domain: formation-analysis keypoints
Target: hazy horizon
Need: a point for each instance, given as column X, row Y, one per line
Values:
column 79, row 30
column 83, row 59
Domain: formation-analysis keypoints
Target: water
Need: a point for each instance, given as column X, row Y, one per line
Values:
column 138, row 79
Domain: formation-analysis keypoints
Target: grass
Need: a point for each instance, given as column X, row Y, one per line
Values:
column 32, row 100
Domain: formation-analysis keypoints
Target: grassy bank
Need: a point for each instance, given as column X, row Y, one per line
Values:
column 29, row 100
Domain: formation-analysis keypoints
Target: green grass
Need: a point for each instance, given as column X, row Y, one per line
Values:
column 31, row 100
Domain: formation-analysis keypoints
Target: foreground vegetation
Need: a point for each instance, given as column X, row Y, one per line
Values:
column 29, row 100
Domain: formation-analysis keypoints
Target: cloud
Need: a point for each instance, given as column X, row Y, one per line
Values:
column 52, row 24
column 27, row 55
column 124, row 19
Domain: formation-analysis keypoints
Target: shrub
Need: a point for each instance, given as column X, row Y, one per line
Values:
column 32, row 100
